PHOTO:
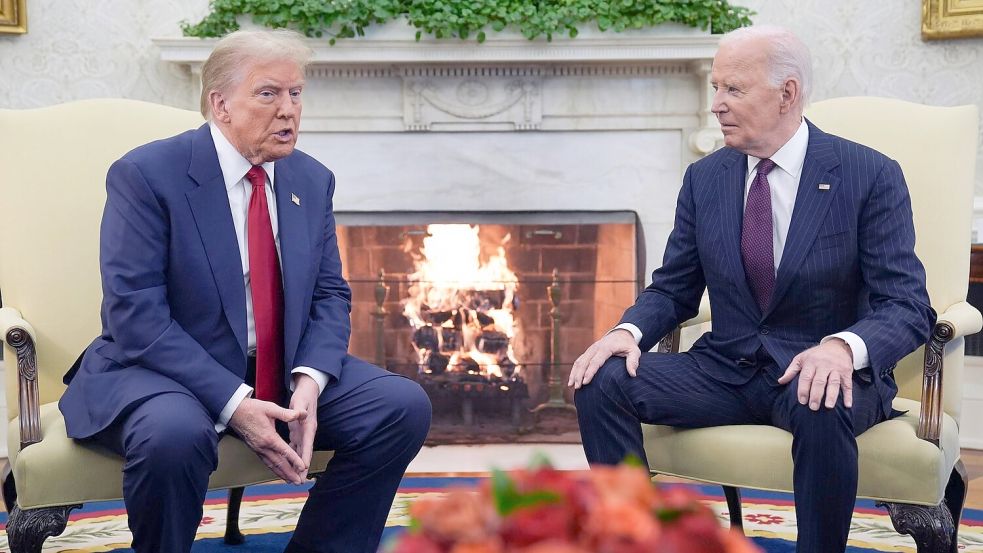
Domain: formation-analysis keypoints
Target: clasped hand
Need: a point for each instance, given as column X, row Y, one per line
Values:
column 255, row 422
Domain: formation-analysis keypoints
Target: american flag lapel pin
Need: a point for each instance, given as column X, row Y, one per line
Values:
column 822, row 186
column 296, row 200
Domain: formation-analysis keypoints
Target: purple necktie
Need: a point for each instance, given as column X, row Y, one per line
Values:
column 757, row 243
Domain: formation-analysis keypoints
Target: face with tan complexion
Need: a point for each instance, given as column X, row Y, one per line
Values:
column 756, row 117
column 260, row 113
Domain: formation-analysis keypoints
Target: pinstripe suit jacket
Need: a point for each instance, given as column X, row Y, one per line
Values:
column 848, row 264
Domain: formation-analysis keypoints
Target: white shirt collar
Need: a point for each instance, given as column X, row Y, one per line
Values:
column 789, row 157
column 234, row 166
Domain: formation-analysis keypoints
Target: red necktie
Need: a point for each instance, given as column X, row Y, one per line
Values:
column 267, row 291
column 757, row 242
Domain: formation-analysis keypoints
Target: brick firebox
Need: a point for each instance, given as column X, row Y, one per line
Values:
column 595, row 254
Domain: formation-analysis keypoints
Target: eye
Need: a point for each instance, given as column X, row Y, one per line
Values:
column 295, row 93
column 266, row 94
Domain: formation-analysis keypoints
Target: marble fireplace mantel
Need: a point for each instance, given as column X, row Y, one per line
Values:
column 605, row 121
column 506, row 83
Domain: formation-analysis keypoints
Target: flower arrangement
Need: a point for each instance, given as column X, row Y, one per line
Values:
column 543, row 510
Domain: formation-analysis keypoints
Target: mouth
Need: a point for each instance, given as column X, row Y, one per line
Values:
column 284, row 135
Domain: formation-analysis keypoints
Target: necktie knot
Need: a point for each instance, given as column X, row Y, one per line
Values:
column 764, row 167
column 256, row 176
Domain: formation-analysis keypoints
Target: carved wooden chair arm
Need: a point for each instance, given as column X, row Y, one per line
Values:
column 19, row 335
column 670, row 342
column 959, row 320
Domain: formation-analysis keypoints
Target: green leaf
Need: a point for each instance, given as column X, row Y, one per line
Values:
column 508, row 499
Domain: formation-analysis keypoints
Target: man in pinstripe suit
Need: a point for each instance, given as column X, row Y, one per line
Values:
column 805, row 244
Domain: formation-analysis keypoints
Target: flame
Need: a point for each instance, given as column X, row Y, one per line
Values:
column 450, row 277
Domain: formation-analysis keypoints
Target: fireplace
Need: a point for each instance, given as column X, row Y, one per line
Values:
column 460, row 302
column 540, row 141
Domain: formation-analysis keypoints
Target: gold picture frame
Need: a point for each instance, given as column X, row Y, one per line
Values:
column 13, row 16
column 943, row 19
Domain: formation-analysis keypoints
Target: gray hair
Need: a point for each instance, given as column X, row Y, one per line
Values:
column 789, row 57
column 224, row 66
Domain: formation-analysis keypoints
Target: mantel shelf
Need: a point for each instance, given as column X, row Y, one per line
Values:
column 398, row 46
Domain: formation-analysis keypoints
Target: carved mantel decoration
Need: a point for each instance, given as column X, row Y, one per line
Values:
column 389, row 82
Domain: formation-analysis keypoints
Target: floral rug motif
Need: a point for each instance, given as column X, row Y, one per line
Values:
column 269, row 513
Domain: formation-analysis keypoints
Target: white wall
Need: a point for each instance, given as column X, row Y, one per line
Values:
column 91, row 49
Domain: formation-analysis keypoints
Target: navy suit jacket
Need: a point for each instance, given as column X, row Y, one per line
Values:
column 174, row 301
column 848, row 264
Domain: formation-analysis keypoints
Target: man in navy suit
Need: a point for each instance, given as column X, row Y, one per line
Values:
column 223, row 303
column 805, row 244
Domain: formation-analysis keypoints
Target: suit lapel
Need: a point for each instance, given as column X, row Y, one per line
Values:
column 811, row 205
column 210, row 207
column 295, row 252
column 733, row 177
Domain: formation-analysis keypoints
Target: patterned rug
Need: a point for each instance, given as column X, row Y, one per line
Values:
column 270, row 511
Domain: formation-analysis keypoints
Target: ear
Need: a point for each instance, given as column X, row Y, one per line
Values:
column 220, row 108
column 790, row 95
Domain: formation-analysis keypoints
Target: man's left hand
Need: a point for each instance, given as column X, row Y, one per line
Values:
column 825, row 369
column 302, row 432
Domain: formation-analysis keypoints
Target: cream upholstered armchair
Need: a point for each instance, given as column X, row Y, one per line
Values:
column 53, row 189
column 909, row 464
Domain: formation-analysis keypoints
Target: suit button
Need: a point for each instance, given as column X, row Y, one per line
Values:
column 764, row 330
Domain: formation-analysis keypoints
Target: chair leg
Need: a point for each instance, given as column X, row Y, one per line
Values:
column 733, row 496
column 27, row 530
column 931, row 527
column 9, row 488
column 955, row 497
column 232, row 534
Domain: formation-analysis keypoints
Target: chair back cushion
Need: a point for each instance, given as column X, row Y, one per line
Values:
column 54, row 162
column 936, row 148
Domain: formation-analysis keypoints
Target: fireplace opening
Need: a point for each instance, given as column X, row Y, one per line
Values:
column 482, row 309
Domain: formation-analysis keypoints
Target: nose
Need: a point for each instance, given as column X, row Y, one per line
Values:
column 287, row 106
column 718, row 105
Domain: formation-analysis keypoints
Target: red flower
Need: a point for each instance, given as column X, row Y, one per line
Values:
column 529, row 525
column 415, row 543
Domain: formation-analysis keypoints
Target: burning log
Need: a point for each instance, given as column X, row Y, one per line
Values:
column 483, row 300
column 451, row 340
column 436, row 363
column 425, row 337
column 493, row 341
column 484, row 320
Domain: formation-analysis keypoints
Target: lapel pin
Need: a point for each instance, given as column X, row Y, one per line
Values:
column 296, row 200
column 824, row 186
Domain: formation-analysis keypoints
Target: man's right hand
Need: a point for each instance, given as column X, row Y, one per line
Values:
column 618, row 342
column 254, row 421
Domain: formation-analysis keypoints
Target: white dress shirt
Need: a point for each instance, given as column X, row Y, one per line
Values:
column 234, row 168
column 783, row 183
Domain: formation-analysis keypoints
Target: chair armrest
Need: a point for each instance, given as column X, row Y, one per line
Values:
column 702, row 317
column 670, row 342
column 19, row 335
column 959, row 320
column 963, row 318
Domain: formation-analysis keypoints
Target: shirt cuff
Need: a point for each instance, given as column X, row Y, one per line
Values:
column 630, row 328
column 242, row 393
column 857, row 346
column 318, row 376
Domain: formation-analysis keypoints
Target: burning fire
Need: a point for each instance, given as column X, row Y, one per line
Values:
column 461, row 308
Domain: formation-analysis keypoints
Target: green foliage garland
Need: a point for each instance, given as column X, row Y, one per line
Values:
column 466, row 18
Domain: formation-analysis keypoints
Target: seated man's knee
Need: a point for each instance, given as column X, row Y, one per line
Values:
column 602, row 385
column 172, row 442
column 411, row 408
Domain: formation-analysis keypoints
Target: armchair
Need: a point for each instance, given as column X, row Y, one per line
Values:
column 54, row 167
column 909, row 464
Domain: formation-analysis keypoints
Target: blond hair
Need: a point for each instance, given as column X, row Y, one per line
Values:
column 224, row 67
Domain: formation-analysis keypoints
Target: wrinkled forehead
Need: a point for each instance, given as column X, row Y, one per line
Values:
column 747, row 57
column 272, row 69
